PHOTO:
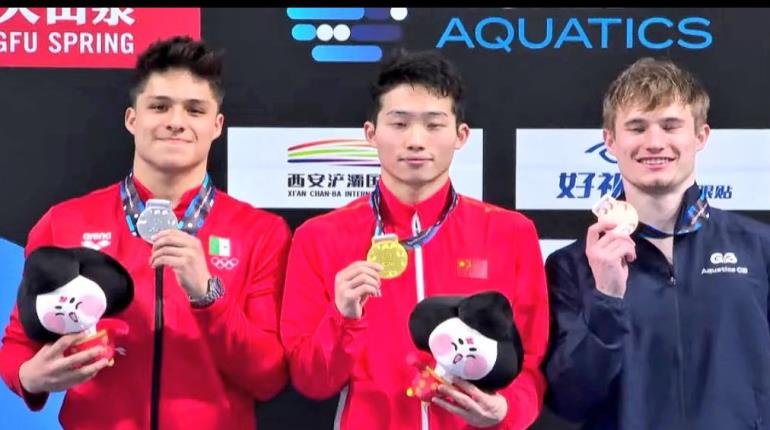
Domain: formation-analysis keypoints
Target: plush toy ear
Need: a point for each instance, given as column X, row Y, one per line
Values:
column 491, row 314
column 488, row 312
column 110, row 275
column 428, row 314
column 45, row 269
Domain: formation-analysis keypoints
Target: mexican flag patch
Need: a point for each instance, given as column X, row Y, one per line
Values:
column 219, row 246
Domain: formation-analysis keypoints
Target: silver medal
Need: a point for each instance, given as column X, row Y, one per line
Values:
column 156, row 216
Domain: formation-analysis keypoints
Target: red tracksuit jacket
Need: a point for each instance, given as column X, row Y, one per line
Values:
column 478, row 247
column 215, row 361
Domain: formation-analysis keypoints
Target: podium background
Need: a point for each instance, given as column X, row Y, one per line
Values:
column 63, row 133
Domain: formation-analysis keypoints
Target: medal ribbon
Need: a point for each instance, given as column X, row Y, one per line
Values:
column 194, row 216
column 693, row 218
column 421, row 238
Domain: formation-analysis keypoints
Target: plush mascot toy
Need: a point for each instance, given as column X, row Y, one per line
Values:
column 468, row 337
column 69, row 290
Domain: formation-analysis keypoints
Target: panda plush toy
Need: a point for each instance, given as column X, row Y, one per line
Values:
column 468, row 337
column 69, row 290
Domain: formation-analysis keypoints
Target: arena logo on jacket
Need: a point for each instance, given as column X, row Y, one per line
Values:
column 222, row 253
column 96, row 240
column 724, row 262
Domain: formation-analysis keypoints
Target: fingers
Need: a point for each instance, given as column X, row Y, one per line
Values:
column 621, row 249
column 73, row 377
column 365, row 278
column 596, row 229
column 597, row 247
column 471, row 390
column 450, row 407
column 168, row 260
column 90, row 370
column 361, row 292
column 358, row 267
column 358, row 274
column 172, row 237
column 80, row 358
column 460, row 398
column 64, row 342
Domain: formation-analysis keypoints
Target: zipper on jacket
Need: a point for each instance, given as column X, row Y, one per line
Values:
column 677, row 316
column 420, row 280
column 679, row 347
column 418, row 269
column 157, row 350
column 341, row 407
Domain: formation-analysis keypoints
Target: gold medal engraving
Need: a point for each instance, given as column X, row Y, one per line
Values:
column 390, row 254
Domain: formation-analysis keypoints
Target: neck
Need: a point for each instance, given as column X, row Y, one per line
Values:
column 169, row 185
column 411, row 194
column 657, row 210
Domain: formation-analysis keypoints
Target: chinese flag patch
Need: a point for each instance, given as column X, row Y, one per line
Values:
column 472, row 268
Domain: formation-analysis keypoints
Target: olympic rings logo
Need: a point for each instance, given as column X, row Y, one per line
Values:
column 224, row 262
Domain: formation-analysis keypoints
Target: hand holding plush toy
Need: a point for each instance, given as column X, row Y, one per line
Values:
column 68, row 290
column 472, row 338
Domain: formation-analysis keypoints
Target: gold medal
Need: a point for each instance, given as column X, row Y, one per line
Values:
column 390, row 254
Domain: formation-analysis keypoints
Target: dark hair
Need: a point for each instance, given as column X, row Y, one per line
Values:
column 428, row 69
column 179, row 52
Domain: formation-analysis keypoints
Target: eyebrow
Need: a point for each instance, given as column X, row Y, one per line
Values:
column 639, row 121
column 429, row 114
column 171, row 100
column 673, row 119
column 635, row 122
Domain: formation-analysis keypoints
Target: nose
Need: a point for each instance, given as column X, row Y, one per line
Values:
column 655, row 140
column 415, row 139
column 176, row 120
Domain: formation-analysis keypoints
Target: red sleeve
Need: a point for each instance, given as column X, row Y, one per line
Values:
column 530, row 313
column 321, row 344
column 17, row 348
column 242, row 329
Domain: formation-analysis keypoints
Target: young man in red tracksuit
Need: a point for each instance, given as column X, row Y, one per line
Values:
column 216, row 348
column 345, row 327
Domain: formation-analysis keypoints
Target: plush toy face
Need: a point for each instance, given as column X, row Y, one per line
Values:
column 71, row 308
column 461, row 350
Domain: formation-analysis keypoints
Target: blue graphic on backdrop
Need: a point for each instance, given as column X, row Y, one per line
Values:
column 13, row 412
column 347, row 34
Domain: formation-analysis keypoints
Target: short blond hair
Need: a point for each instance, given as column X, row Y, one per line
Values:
column 652, row 83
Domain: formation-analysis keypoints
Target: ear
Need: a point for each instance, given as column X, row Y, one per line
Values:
column 609, row 140
column 463, row 133
column 369, row 131
column 701, row 136
column 488, row 312
column 130, row 119
column 219, row 121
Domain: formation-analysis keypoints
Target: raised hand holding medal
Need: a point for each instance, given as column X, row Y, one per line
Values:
column 609, row 246
column 174, row 243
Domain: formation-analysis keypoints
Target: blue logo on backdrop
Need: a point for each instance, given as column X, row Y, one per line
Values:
column 13, row 412
column 346, row 34
column 657, row 32
column 601, row 149
column 584, row 185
